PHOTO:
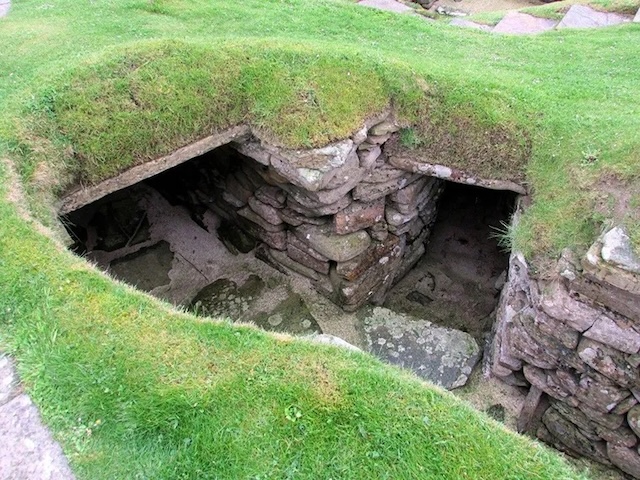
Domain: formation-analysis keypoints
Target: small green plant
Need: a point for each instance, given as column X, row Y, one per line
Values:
column 409, row 138
column 504, row 234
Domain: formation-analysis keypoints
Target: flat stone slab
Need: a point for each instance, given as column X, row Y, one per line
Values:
column 461, row 22
column 28, row 451
column 388, row 5
column 441, row 355
column 581, row 16
column 517, row 23
column 637, row 17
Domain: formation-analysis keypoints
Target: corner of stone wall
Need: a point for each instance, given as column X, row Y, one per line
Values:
column 574, row 341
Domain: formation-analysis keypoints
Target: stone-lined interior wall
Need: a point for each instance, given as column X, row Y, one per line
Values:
column 341, row 215
column 574, row 341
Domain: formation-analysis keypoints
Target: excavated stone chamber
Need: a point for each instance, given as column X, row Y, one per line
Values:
column 351, row 217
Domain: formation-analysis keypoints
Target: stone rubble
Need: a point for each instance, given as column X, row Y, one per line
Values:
column 576, row 338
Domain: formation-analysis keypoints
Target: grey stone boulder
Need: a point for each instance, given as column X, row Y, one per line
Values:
column 441, row 355
column 617, row 250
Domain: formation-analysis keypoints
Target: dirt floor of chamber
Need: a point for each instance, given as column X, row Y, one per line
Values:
column 457, row 281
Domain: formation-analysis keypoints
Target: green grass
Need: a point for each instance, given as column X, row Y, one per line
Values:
column 133, row 388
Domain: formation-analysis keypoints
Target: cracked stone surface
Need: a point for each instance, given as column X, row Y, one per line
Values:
column 29, row 451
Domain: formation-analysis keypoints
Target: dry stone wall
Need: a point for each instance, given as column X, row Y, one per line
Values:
column 574, row 340
column 341, row 215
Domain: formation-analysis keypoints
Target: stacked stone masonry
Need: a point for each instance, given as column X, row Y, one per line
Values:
column 574, row 341
column 341, row 215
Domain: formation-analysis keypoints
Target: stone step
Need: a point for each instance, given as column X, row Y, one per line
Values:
column 388, row 5
column 581, row 16
column 518, row 23
column 637, row 17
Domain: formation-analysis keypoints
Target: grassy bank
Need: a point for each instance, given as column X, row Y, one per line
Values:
column 135, row 389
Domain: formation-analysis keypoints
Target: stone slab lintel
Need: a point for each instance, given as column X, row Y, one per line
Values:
column 452, row 174
column 87, row 195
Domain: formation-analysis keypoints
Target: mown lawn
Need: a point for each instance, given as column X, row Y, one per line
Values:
column 135, row 389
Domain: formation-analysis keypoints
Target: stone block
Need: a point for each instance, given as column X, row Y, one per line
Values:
column 323, row 198
column 599, row 393
column 623, row 436
column 379, row 231
column 594, row 266
column 339, row 248
column 358, row 216
column 231, row 200
column 307, row 260
column 395, row 218
column 568, row 336
column 315, row 209
column 617, row 250
column 383, row 173
column 625, row 405
column 271, row 195
column 300, row 245
column 367, row 192
column 378, row 139
column 531, row 345
column 539, row 379
column 286, row 261
column 617, row 333
column 568, row 434
column 575, row 416
column 378, row 278
column 614, row 298
column 275, row 239
column 556, row 302
column 608, row 361
column 633, row 418
column 415, row 192
column 383, row 128
column 377, row 253
column 626, row 459
column 295, row 219
column 266, row 212
column 253, row 217
column 368, row 157
column 610, row 421
column 313, row 169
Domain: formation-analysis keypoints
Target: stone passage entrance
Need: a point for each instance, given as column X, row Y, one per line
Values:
column 333, row 241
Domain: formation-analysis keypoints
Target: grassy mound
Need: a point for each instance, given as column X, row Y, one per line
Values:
column 134, row 388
